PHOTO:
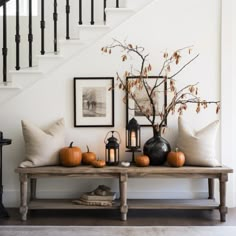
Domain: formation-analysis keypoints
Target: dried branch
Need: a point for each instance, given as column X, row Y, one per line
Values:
column 125, row 88
column 184, row 66
column 181, row 97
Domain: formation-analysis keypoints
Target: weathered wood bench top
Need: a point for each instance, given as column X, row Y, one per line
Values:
column 50, row 170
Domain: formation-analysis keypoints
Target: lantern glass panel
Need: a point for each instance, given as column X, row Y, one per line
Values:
column 138, row 138
column 112, row 155
column 133, row 139
column 133, row 134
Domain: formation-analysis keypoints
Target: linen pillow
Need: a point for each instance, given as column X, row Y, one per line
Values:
column 198, row 146
column 42, row 146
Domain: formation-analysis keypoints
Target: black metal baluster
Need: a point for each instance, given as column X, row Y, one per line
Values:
column 67, row 19
column 4, row 49
column 104, row 11
column 42, row 26
column 17, row 36
column 80, row 12
column 92, row 12
column 30, row 35
column 117, row 4
column 55, row 15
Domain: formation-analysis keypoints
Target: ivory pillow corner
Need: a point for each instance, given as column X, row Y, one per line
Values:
column 198, row 146
column 42, row 146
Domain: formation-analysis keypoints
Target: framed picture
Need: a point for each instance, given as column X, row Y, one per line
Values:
column 160, row 100
column 94, row 102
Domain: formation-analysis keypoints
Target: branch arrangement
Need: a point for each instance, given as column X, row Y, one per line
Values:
column 181, row 97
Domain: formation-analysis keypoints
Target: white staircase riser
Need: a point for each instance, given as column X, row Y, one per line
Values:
column 137, row 4
column 90, row 33
column 25, row 80
column 70, row 48
column 116, row 16
column 7, row 92
column 48, row 63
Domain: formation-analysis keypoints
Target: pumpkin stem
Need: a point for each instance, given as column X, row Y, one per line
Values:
column 71, row 145
column 87, row 148
column 176, row 149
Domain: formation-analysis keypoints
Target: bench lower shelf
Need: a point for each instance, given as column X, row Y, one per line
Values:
column 39, row 204
column 132, row 204
column 173, row 204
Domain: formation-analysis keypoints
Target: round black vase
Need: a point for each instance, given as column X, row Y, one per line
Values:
column 157, row 149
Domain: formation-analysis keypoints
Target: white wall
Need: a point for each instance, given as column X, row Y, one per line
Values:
column 164, row 25
column 228, row 89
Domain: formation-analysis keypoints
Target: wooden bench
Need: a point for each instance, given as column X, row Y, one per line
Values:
column 122, row 174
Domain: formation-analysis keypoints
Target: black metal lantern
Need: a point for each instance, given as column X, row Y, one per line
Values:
column 133, row 137
column 112, row 152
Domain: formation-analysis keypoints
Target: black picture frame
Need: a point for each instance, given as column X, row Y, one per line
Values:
column 132, row 113
column 94, row 102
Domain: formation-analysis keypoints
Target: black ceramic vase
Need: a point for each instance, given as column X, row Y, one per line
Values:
column 157, row 149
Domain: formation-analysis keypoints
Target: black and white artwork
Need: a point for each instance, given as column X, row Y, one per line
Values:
column 94, row 102
column 141, row 97
column 143, row 101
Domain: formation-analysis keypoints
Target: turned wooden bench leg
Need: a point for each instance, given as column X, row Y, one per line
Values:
column 222, row 208
column 123, row 196
column 23, row 196
column 211, row 188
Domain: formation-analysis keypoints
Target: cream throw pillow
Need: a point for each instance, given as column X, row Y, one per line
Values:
column 42, row 146
column 198, row 146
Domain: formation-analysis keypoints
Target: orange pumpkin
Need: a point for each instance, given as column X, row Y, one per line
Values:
column 88, row 157
column 176, row 159
column 142, row 160
column 98, row 163
column 70, row 156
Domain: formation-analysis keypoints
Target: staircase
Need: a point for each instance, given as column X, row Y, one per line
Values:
column 115, row 12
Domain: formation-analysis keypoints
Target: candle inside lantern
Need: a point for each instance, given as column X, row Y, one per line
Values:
column 133, row 139
column 112, row 155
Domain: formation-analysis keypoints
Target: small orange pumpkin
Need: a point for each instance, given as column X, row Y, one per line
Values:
column 70, row 156
column 98, row 163
column 142, row 160
column 88, row 157
column 176, row 159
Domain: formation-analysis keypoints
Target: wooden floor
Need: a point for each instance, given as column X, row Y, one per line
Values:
column 112, row 217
